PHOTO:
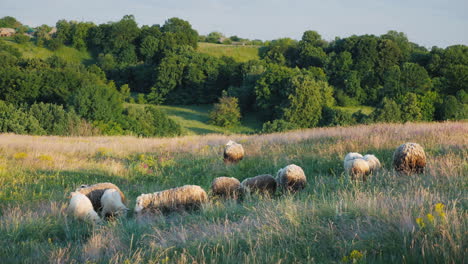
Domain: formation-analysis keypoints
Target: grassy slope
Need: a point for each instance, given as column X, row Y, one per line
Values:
column 194, row 120
column 30, row 50
column 239, row 53
column 330, row 219
column 352, row 109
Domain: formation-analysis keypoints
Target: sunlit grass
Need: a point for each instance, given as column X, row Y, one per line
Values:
column 238, row 52
column 389, row 219
column 31, row 50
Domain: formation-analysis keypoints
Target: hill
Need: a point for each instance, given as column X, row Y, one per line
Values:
column 194, row 120
column 31, row 50
column 239, row 53
column 388, row 219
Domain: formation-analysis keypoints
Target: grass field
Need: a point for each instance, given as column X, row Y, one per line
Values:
column 194, row 120
column 352, row 109
column 30, row 50
column 388, row 219
column 239, row 53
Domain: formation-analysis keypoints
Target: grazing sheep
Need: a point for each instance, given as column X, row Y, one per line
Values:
column 226, row 187
column 291, row 178
column 409, row 158
column 95, row 192
column 112, row 205
column 374, row 163
column 264, row 184
column 233, row 152
column 351, row 156
column 186, row 197
column 357, row 168
column 80, row 207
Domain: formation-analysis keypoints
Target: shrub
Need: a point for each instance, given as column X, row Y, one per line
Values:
column 17, row 121
column 278, row 125
column 97, row 103
column 21, row 39
column 410, row 109
column 452, row 109
column 54, row 119
column 336, row 117
column 141, row 98
column 150, row 121
column 226, row 113
column 388, row 112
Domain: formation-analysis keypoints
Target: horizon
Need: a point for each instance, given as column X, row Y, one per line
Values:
column 426, row 23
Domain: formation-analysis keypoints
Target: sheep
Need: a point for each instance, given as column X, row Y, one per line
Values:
column 373, row 161
column 351, row 156
column 409, row 158
column 186, row 197
column 95, row 192
column 81, row 208
column 112, row 205
column 264, row 184
column 291, row 178
column 357, row 168
column 233, row 152
column 226, row 187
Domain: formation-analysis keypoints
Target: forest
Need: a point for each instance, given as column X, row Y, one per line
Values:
column 294, row 84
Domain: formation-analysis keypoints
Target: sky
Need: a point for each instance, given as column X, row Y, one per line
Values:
column 425, row 22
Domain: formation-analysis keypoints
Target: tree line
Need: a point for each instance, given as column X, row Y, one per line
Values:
column 295, row 84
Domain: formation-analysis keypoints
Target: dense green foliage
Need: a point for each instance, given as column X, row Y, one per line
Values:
column 300, row 82
column 226, row 113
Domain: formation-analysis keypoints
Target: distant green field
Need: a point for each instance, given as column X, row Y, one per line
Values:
column 194, row 120
column 30, row 50
column 239, row 53
column 352, row 109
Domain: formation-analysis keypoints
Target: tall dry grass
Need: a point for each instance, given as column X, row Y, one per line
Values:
column 333, row 220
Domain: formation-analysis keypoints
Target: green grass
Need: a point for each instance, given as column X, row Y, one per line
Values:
column 239, row 53
column 352, row 109
column 31, row 50
column 325, row 223
column 194, row 120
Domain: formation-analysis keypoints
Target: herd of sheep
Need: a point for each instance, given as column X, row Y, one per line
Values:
column 107, row 199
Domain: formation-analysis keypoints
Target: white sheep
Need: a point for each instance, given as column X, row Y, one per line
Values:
column 112, row 204
column 357, row 168
column 233, row 152
column 409, row 158
column 181, row 198
column 351, row 156
column 81, row 208
column 373, row 161
column 291, row 178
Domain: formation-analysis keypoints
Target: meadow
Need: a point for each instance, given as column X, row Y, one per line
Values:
column 30, row 50
column 388, row 219
column 237, row 52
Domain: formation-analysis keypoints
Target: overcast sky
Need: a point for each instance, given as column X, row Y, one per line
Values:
column 426, row 22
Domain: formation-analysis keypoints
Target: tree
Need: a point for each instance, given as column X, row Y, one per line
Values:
column 226, row 113
column 410, row 108
column 392, row 82
column 182, row 31
column 214, row 37
column 414, row 78
column 388, row 111
column 311, row 51
column 9, row 22
column 306, row 100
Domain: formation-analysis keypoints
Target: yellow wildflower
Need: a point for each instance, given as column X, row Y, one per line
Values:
column 420, row 222
column 356, row 255
column 20, row 155
column 439, row 208
column 430, row 218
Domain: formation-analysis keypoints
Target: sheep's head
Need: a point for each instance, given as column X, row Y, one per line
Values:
column 230, row 143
